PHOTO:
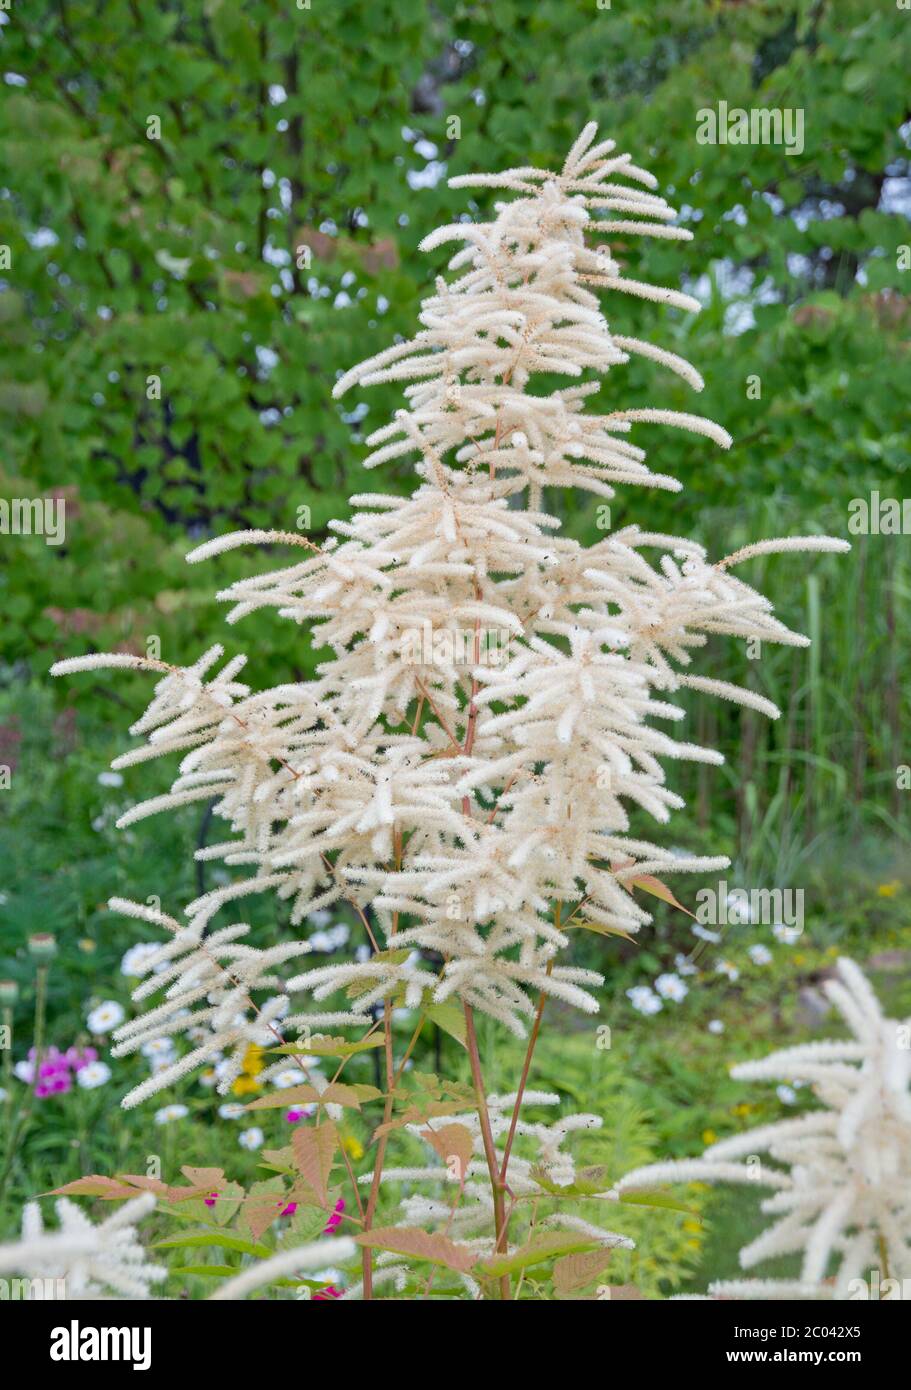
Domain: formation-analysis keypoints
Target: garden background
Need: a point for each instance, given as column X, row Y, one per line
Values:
column 211, row 210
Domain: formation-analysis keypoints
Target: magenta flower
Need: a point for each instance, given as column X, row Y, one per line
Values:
column 330, row 1291
column 335, row 1219
column 298, row 1112
column 55, row 1075
column 290, row 1209
column 56, row 1084
column 211, row 1199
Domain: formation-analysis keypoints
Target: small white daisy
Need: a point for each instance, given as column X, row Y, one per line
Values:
column 110, row 779
column 759, row 954
column 107, row 1016
column 644, row 1000
column 786, row 935
column 716, row 1026
column 231, row 1110
column 251, row 1138
column 134, row 960
column 786, row 1094
column 724, row 967
column 684, row 966
column 158, row 1047
column 93, row 1074
column 167, row 1113
column 289, row 1076
column 671, row 987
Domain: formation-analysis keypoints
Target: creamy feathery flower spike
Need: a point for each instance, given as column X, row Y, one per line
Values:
column 843, row 1187
column 492, row 707
column 318, row 1255
column 208, row 982
column 103, row 1261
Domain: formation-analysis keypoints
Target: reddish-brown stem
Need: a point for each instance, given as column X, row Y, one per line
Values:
column 503, row 1242
column 523, row 1082
column 366, row 1253
column 490, row 1152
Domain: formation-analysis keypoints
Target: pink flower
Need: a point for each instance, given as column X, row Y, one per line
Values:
column 330, row 1291
column 57, row 1084
column 298, row 1112
column 78, row 1059
column 55, row 1073
column 211, row 1199
column 334, row 1220
column 290, row 1209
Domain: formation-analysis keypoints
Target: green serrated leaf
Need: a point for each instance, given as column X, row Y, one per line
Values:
column 223, row 1240
column 657, row 1199
column 450, row 1018
column 536, row 1252
column 330, row 1047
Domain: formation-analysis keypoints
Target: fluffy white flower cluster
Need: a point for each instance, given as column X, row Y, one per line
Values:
column 841, row 1175
column 100, row 1261
column 208, row 984
column 108, row 1262
column 459, row 795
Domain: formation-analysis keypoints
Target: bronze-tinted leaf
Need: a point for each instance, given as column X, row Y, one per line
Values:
column 94, row 1185
column 314, row 1150
column 572, row 1272
column 452, row 1142
column 410, row 1240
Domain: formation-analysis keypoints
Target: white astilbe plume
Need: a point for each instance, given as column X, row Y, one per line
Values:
column 470, row 1222
column 317, row 1255
column 843, row 1185
column 207, row 984
column 496, row 700
column 103, row 1261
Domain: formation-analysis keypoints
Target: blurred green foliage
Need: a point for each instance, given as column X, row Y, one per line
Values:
column 210, row 210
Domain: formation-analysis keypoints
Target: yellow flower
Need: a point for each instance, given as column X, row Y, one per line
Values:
column 244, row 1085
column 800, row 960
column 742, row 1109
column 709, row 1136
column 87, row 944
column 690, row 1224
column 888, row 890
column 353, row 1147
column 692, row 1245
column 253, row 1060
